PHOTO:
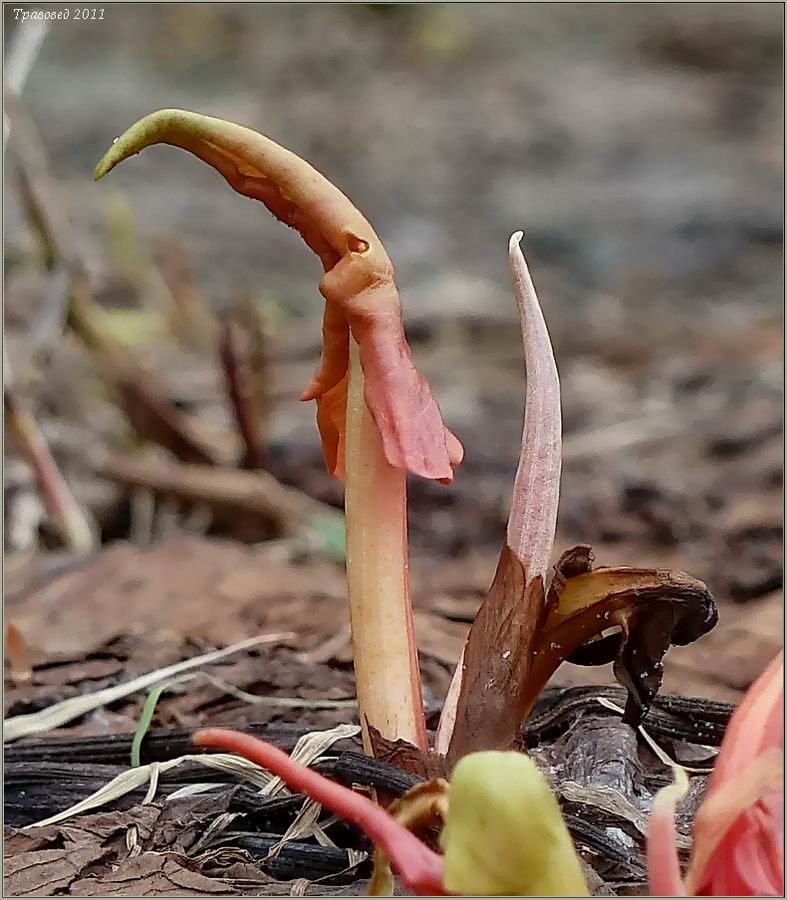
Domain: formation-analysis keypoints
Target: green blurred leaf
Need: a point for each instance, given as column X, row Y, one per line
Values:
column 328, row 535
column 504, row 834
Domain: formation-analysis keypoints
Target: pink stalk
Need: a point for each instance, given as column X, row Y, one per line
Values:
column 420, row 868
column 386, row 662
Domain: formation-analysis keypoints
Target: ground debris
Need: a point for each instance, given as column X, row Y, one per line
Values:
column 604, row 776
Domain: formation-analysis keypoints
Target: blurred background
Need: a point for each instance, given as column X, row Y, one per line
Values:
column 639, row 147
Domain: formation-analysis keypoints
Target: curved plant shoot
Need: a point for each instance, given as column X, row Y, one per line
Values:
column 377, row 416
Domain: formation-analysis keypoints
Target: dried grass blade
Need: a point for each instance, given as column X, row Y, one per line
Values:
column 235, row 765
column 309, row 747
column 134, row 778
column 611, row 801
column 220, row 824
column 319, row 832
column 301, row 827
column 46, row 719
column 118, row 787
column 658, row 751
column 190, row 790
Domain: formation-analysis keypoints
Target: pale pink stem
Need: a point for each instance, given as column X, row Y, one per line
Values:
column 388, row 681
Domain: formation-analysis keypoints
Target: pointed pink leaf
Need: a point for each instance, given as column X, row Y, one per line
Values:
column 531, row 524
column 509, row 614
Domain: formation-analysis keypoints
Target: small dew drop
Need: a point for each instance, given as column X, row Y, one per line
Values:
column 115, row 140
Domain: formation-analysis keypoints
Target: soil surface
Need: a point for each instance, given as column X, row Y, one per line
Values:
column 641, row 150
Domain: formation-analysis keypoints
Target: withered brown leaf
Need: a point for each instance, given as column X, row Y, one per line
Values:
column 532, row 635
column 401, row 753
column 652, row 608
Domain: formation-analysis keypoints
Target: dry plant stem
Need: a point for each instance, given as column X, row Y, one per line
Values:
column 191, row 321
column 386, row 662
column 234, row 362
column 231, row 491
column 140, row 395
column 62, row 509
column 20, row 59
column 18, row 654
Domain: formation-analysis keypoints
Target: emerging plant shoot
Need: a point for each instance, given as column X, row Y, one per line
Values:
column 377, row 416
